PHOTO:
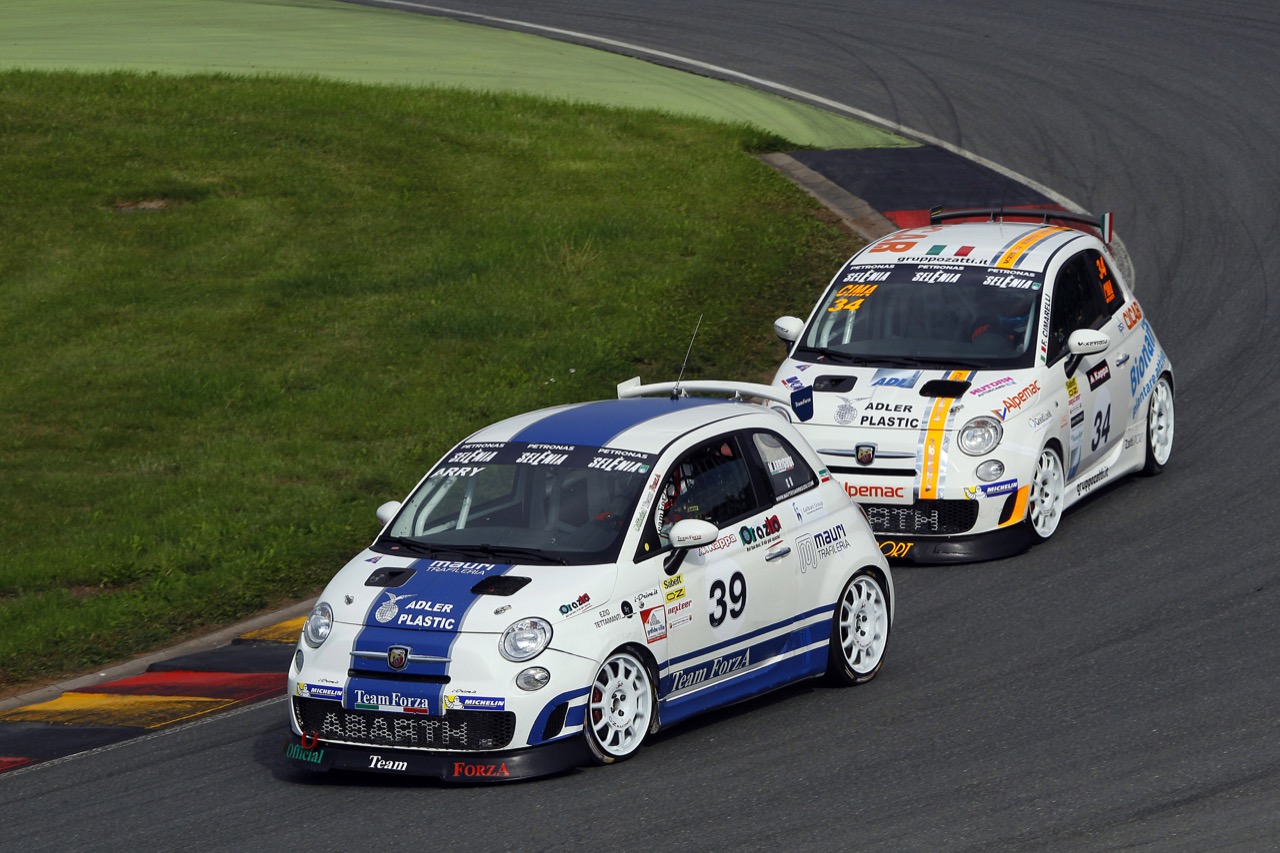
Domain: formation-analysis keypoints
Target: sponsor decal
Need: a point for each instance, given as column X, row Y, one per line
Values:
column 606, row 617
column 721, row 543
column 1091, row 481
column 466, row 456
column 1015, row 402
column 894, row 550
column 1132, row 315
column 879, row 414
column 1073, row 389
column 793, row 383
column 812, row 509
column 389, row 608
column 846, row 412
column 754, row 537
column 456, row 471
column 1039, row 419
column 455, row 702
column 485, row 770
column 1132, row 441
column 611, row 463
column 991, row 490
column 888, row 377
column 627, row 609
column 824, row 475
column 935, row 276
column 576, row 605
column 673, row 588
column 806, row 553
column 541, row 457
column 781, row 466
column 1099, row 374
column 714, row 668
column 646, row 599
column 459, row 567
column 377, row 762
column 864, row 492
column 680, row 613
column 393, row 701
column 319, row 691
column 983, row 390
column 428, row 619
column 374, row 559
column 831, row 541
column 300, row 753
column 655, row 623
column 1010, row 280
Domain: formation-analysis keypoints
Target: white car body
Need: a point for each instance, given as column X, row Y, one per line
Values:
column 406, row 664
column 898, row 357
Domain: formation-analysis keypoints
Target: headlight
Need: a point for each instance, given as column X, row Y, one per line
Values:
column 980, row 435
column 318, row 625
column 525, row 640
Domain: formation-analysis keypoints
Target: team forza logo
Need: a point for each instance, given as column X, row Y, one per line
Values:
column 465, row 769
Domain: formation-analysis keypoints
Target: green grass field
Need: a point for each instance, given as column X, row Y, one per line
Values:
column 239, row 313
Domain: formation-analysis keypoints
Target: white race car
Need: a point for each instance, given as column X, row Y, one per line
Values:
column 564, row 583
column 972, row 380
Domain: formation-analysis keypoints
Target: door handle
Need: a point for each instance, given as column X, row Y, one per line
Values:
column 1122, row 359
column 778, row 554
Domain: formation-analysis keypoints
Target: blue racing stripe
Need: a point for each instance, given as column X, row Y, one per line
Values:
column 594, row 424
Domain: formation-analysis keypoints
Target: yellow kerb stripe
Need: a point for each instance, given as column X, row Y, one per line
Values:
column 281, row 632
column 105, row 709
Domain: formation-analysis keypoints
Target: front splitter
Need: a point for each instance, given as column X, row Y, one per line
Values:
column 456, row 767
column 924, row 550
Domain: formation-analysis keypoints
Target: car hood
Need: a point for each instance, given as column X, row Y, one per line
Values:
column 397, row 593
column 869, row 398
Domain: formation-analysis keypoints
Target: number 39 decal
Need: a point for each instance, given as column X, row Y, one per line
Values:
column 737, row 599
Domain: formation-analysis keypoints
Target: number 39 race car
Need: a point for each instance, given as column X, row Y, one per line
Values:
column 970, row 380
column 566, row 582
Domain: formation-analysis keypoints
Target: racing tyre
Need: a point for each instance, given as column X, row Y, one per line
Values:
column 859, row 631
column 1159, row 427
column 621, row 708
column 1048, row 493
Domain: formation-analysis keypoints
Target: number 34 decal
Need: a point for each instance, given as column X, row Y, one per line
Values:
column 735, row 592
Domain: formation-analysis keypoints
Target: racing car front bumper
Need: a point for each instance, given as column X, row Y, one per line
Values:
column 457, row 767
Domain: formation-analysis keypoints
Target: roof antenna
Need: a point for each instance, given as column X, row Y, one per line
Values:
column 675, row 392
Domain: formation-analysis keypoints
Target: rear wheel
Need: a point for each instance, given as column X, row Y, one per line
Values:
column 620, row 708
column 1159, row 427
column 1048, row 492
column 859, row 631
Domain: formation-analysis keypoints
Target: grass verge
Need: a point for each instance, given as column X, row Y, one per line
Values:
column 242, row 312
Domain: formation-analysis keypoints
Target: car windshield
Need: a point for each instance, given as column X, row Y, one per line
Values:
column 523, row 503
column 926, row 315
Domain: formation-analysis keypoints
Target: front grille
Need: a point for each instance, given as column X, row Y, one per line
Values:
column 923, row 518
column 456, row 730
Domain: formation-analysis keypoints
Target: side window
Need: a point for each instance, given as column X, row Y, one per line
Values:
column 786, row 470
column 1078, row 301
column 711, row 482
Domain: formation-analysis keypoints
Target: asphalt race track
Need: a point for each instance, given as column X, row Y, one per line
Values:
column 1115, row 688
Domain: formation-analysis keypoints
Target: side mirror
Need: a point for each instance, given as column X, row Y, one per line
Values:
column 692, row 533
column 685, row 534
column 1084, row 342
column 388, row 511
column 1088, row 342
column 788, row 328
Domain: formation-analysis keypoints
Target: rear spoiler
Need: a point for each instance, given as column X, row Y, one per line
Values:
column 799, row 402
column 1103, row 223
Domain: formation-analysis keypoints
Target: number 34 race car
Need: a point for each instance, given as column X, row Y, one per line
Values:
column 564, row 583
column 969, row 381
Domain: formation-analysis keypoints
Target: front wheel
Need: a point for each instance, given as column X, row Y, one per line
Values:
column 859, row 631
column 1159, row 427
column 620, row 708
column 1048, row 493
